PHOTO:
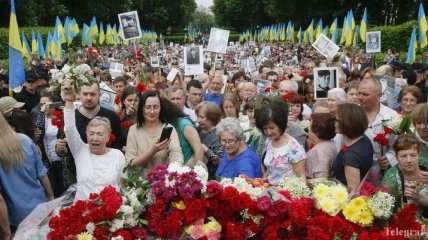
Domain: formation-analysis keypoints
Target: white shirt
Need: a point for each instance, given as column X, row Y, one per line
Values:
column 49, row 140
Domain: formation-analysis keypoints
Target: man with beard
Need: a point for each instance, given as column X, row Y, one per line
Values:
column 90, row 108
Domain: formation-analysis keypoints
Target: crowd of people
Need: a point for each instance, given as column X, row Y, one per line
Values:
column 220, row 119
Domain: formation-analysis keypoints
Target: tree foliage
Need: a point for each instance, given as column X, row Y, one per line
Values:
column 154, row 14
column 203, row 20
column 244, row 14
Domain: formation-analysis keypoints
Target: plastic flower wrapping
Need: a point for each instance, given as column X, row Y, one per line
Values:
column 177, row 202
column 397, row 125
column 305, row 124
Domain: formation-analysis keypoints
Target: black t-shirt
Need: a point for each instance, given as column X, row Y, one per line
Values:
column 4, row 92
column 82, row 121
column 424, row 89
column 30, row 100
column 358, row 155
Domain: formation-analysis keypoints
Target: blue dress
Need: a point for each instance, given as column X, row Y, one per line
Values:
column 247, row 162
column 21, row 186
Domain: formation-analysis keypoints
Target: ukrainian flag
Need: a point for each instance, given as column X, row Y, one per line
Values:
column 334, row 31
column 60, row 30
column 411, row 52
column 93, row 31
column 102, row 35
column 25, row 47
column 16, row 63
column 355, row 42
column 34, row 46
column 40, row 47
column 422, row 26
column 299, row 35
column 363, row 26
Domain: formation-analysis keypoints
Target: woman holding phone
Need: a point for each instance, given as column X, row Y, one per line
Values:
column 144, row 146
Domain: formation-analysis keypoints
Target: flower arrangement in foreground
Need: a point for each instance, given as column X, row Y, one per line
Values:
column 80, row 75
column 176, row 202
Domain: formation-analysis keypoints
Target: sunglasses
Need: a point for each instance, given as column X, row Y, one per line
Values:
column 407, row 139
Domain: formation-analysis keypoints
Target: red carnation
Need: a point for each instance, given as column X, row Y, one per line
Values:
column 387, row 130
column 344, row 148
column 214, row 188
column 117, row 99
column 230, row 193
column 142, row 88
column 125, row 234
column 119, row 114
column 111, row 139
column 126, row 124
column 381, row 139
column 287, row 97
column 267, row 89
column 139, row 232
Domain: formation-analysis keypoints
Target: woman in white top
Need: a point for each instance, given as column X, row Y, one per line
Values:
column 284, row 156
column 97, row 166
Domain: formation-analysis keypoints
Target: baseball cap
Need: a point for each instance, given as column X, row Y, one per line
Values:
column 8, row 103
column 30, row 76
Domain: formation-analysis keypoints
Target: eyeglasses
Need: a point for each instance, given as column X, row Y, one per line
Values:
column 230, row 141
column 409, row 100
column 407, row 139
column 149, row 108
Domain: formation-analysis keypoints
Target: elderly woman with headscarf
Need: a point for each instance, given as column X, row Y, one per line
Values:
column 97, row 165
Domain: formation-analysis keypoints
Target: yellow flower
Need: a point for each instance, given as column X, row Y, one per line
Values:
column 366, row 218
column 328, row 206
column 359, row 202
column 84, row 236
column 350, row 212
column 212, row 225
column 188, row 230
column 340, row 194
column 179, row 205
column 320, row 191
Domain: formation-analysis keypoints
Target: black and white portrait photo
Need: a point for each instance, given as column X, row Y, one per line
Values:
column 154, row 61
column 261, row 86
column 218, row 40
column 130, row 25
column 325, row 46
column 107, row 96
column 193, row 55
column 325, row 79
column 373, row 42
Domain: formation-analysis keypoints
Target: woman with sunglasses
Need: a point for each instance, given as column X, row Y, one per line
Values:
column 405, row 180
column 237, row 157
column 97, row 165
column 356, row 156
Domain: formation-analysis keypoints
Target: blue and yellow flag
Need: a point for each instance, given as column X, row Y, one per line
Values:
column 348, row 31
column 363, row 26
column 102, row 35
column 411, row 52
column 319, row 29
column 33, row 42
column 356, row 41
column 422, row 27
column 60, row 30
column 25, row 47
column 93, row 30
column 85, row 36
column 16, row 63
column 299, row 35
column 40, row 47
column 333, row 31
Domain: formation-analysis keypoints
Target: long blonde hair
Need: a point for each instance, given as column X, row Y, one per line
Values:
column 11, row 149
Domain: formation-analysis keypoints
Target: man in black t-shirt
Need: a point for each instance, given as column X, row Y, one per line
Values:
column 28, row 94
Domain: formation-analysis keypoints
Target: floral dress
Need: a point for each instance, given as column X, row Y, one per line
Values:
column 279, row 161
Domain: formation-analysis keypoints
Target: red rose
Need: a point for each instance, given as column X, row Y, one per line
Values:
column 230, row 193
column 125, row 234
column 264, row 203
column 367, row 189
column 214, row 188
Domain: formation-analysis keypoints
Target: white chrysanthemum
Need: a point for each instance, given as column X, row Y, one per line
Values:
column 131, row 221
column 65, row 69
column 255, row 192
column 202, row 174
column 90, row 227
column 116, row 225
column 226, row 182
column 176, row 167
column 394, row 124
column 126, row 209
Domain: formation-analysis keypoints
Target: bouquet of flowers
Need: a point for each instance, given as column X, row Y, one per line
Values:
column 242, row 185
column 330, row 196
column 397, row 125
column 372, row 202
column 80, row 75
column 207, row 228
column 295, row 186
column 305, row 123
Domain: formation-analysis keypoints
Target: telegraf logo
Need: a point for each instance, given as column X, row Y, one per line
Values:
column 407, row 233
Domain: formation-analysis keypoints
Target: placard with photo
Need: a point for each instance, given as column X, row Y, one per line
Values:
column 193, row 60
column 130, row 25
column 154, row 61
column 107, row 96
column 261, row 86
column 218, row 40
column 325, row 46
column 373, row 42
column 325, row 79
column 115, row 69
column 388, row 90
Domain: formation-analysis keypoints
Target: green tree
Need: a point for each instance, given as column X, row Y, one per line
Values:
column 203, row 19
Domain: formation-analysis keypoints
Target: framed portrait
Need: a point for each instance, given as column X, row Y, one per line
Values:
column 388, row 90
column 154, row 61
column 130, row 25
column 107, row 96
column 325, row 79
column 218, row 40
column 193, row 60
column 261, row 86
column 325, row 46
column 373, row 42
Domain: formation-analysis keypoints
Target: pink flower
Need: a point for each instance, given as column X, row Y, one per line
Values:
column 264, row 203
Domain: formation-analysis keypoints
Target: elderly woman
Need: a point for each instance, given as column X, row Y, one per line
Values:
column 421, row 129
column 403, row 180
column 356, row 156
column 237, row 157
column 143, row 146
column 284, row 156
column 335, row 97
column 320, row 157
column 351, row 90
column 229, row 105
column 97, row 165
column 209, row 115
column 408, row 98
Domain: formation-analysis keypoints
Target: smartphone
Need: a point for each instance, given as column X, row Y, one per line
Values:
column 56, row 105
column 166, row 133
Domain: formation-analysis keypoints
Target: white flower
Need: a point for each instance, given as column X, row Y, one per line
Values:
column 202, row 174
column 126, row 209
column 226, row 182
column 90, row 227
column 305, row 123
column 295, row 186
column 381, row 204
column 65, row 69
column 169, row 183
column 116, row 225
column 394, row 124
